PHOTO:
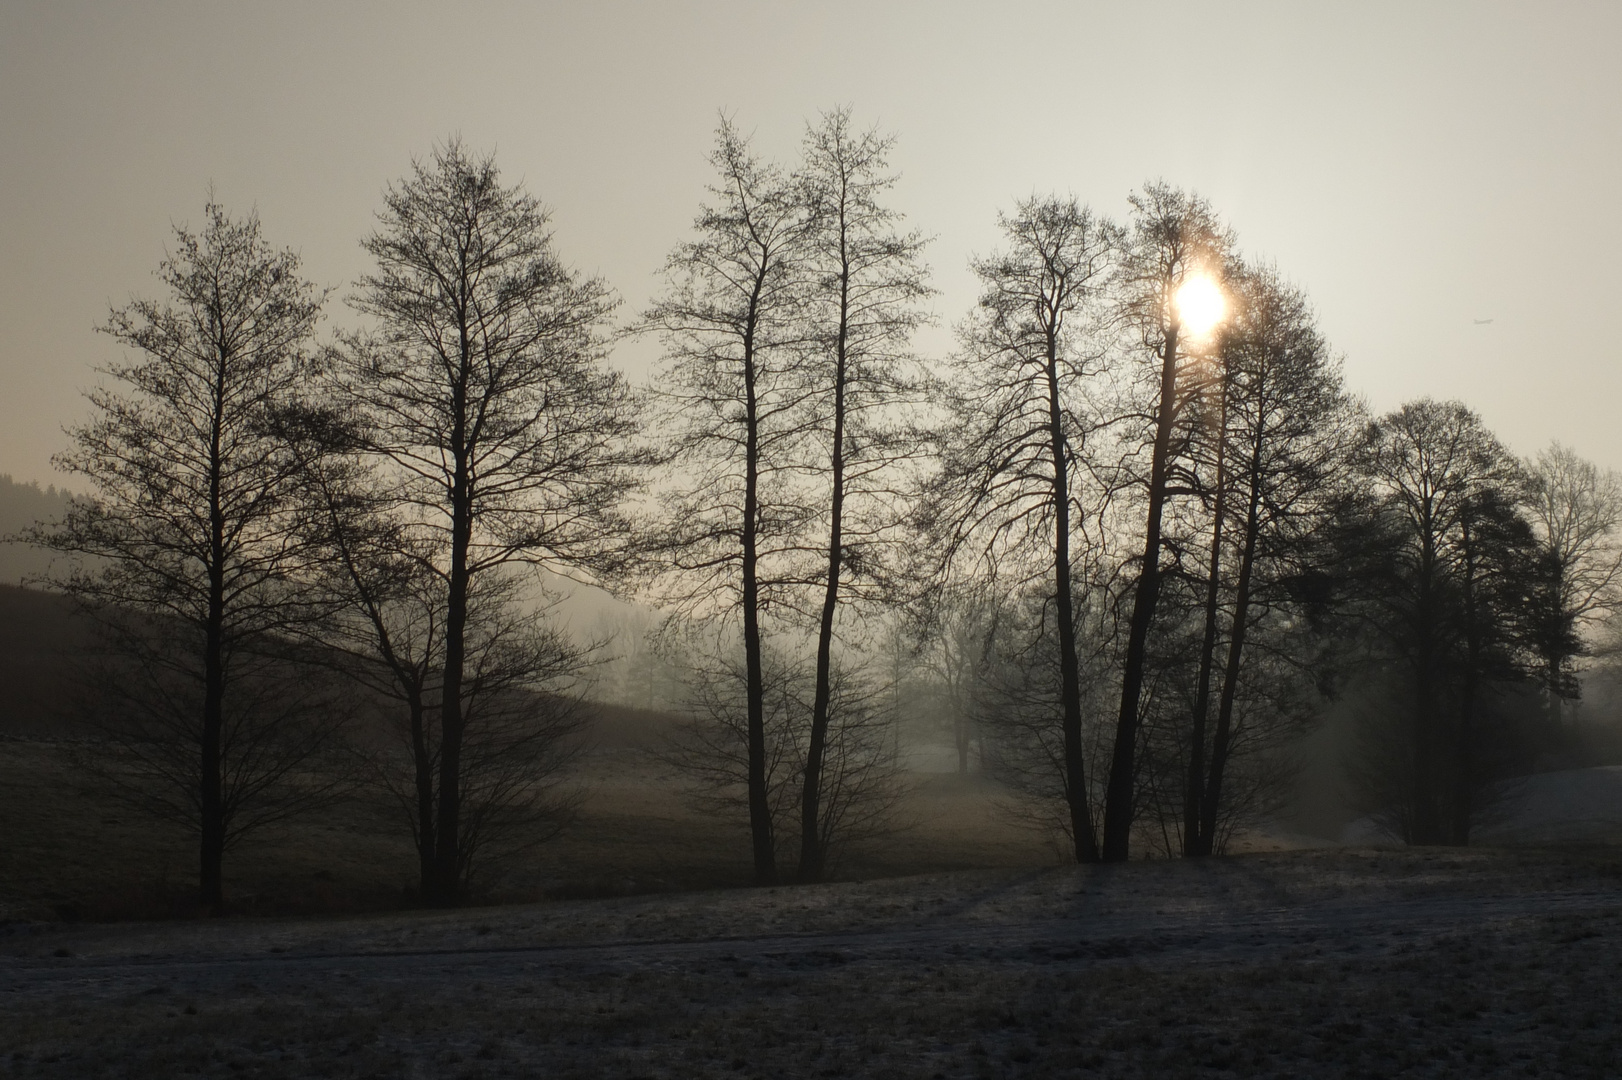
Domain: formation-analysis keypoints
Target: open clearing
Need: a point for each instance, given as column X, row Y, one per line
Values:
column 1329, row 963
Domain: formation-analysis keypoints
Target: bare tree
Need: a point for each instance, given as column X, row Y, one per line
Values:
column 865, row 285
column 1020, row 419
column 730, row 323
column 483, row 401
column 1175, row 238
column 1575, row 509
column 861, row 765
column 1292, row 431
column 383, row 627
column 188, row 545
column 955, row 630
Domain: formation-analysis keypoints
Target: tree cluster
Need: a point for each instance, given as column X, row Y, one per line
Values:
column 1130, row 536
column 1152, row 464
column 786, row 325
column 376, row 510
column 1467, row 576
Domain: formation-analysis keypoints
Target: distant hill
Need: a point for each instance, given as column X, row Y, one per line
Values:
column 39, row 634
column 22, row 505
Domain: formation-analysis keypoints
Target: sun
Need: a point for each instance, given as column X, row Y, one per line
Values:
column 1200, row 305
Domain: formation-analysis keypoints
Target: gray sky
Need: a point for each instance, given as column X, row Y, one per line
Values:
column 1414, row 167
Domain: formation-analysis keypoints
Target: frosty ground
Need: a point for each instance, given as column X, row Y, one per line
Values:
column 1348, row 962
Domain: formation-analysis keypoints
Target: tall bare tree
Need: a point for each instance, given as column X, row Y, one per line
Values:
column 1020, row 417
column 1576, row 510
column 483, row 401
column 733, row 337
column 1174, row 237
column 1284, row 433
column 866, row 282
column 382, row 627
column 190, row 535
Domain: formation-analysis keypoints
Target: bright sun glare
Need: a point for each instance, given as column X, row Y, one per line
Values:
column 1200, row 305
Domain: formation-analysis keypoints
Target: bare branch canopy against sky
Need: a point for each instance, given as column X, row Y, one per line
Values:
column 1440, row 178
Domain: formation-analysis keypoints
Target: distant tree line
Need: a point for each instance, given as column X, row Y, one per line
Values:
column 1131, row 535
column 21, row 505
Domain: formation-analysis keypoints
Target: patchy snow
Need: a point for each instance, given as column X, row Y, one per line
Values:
column 1578, row 805
column 1573, row 806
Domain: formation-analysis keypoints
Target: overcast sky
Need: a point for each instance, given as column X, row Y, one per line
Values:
column 1415, row 167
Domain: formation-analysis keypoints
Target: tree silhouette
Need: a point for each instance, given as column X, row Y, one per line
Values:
column 865, row 282
column 730, row 323
column 1021, row 413
column 1174, row 235
column 189, row 543
column 483, row 402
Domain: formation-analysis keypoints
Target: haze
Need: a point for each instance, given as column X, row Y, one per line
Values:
column 1419, row 172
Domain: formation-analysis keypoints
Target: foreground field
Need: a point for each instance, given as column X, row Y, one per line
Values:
column 1345, row 963
column 959, row 946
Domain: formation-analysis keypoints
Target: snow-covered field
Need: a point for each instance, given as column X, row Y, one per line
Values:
column 1350, row 962
column 1576, row 806
column 1287, row 961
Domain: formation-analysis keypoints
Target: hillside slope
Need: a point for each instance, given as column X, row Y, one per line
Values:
column 40, row 637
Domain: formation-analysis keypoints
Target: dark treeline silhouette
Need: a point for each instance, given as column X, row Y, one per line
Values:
column 1127, row 540
column 22, row 505
column 1466, row 592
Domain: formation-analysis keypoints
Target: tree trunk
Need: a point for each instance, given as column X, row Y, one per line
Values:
column 1075, row 773
column 760, row 811
column 1118, row 799
column 211, row 801
column 448, row 827
column 1222, row 740
column 211, row 794
column 812, row 855
column 1425, row 826
column 422, row 760
column 1194, row 840
column 1462, row 757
